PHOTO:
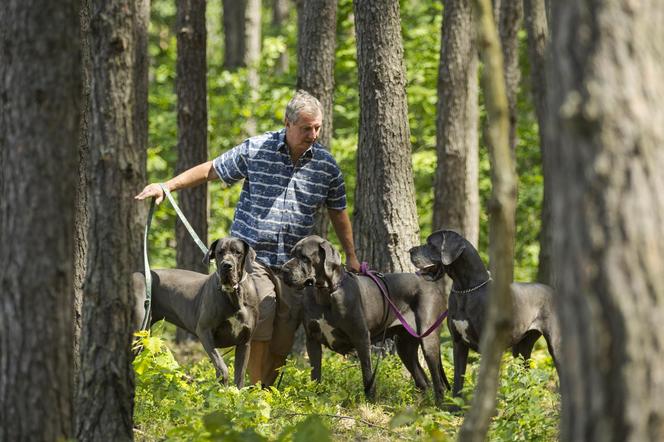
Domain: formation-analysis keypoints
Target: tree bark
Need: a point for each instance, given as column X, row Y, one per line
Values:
column 385, row 220
column 280, row 12
column 118, row 135
column 456, row 202
column 537, row 27
column 509, row 24
column 234, row 34
column 316, row 47
column 81, row 221
column 252, row 56
column 607, row 127
column 191, row 90
column 501, row 230
column 40, row 90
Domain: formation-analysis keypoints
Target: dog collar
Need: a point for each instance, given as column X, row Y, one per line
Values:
column 462, row 292
column 336, row 286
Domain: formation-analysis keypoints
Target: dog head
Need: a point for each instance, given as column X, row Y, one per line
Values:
column 441, row 249
column 313, row 262
column 234, row 258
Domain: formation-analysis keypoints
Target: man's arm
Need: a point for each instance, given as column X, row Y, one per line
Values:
column 189, row 178
column 344, row 230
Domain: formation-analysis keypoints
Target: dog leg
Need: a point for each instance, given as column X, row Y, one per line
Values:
column 460, row 361
column 525, row 346
column 431, row 350
column 315, row 353
column 208, row 344
column 240, row 365
column 363, row 347
column 407, row 351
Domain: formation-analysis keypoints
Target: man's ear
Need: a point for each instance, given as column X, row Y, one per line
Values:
column 249, row 258
column 452, row 247
column 210, row 253
column 331, row 259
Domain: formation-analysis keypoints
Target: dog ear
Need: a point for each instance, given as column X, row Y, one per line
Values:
column 249, row 257
column 452, row 247
column 331, row 259
column 210, row 253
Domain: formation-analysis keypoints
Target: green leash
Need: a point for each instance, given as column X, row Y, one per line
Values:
column 148, row 275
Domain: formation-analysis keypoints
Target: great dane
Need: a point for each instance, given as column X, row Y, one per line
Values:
column 534, row 312
column 221, row 309
column 347, row 312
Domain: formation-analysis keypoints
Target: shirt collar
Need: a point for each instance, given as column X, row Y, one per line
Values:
column 283, row 147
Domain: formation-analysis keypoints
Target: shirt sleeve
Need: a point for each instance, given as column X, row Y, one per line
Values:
column 336, row 194
column 231, row 166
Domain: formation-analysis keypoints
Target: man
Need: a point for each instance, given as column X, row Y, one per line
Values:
column 287, row 177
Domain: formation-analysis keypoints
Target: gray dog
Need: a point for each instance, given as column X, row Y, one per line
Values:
column 345, row 311
column 221, row 308
column 534, row 312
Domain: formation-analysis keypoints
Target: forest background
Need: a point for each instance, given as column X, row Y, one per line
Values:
column 181, row 400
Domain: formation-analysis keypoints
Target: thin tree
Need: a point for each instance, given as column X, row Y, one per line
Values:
column 509, row 23
column 118, row 135
column 191, row 91
column 537, row 27
column 501, row 229
column 252, row 55
column 385, row 218
column 456, row 202
column 607, row 127
column 280, row 13
column 233, row 17
column 40, row 86
column 316, row 47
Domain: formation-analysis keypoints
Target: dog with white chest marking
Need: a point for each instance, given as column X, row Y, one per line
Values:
column 534, row 313
column 346, row 312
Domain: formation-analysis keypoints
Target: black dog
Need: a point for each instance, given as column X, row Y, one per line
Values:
column 534, row 312
column 347, row 312
column 221, row 308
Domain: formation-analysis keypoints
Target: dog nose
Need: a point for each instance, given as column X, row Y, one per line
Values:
column 225, row 265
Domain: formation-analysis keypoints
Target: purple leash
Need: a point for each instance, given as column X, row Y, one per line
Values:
column 364, row 270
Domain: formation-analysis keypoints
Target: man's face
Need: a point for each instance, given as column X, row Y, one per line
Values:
column 302, row 134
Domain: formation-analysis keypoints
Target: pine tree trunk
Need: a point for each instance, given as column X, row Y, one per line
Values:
column 537, row 27
column 118, row 131
column 456, row 202
column 234, row 36
column 315, row 69
column 191, row 89
column 280, row 12
column 607, row 127
column 502, row 207
column 385, row 220
column 252, row 58
column 509, row 23
column 40, row 89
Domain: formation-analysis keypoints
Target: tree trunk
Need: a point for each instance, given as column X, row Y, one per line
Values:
column 252, row 57
column 234, row 36
column 316, row 47
column 81, row 221
column 501, row 230
column 456, row 202
column 191, row 89
column 118, row 129
column 509, row 24
column 607, row 126
column 280, row 12
column 385, row 219
column 536, row 25
column 40, row 89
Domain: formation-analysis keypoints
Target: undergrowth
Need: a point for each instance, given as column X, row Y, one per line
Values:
column 182, row 401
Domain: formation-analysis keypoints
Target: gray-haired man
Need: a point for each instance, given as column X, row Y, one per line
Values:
column 287, row 177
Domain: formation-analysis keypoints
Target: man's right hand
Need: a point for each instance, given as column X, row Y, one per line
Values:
column 151, row 190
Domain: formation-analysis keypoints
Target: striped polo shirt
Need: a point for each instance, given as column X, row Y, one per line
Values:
column 279, row 200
